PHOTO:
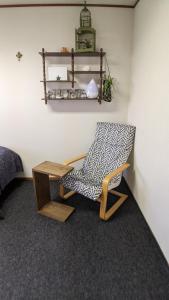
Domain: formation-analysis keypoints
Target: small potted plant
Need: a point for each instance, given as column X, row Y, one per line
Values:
column 108, row 85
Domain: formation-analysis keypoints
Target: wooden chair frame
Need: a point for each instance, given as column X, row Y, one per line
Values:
column 104, row 213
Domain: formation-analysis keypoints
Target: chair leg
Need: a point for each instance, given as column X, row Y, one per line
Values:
column 105, row 215
column 103, row 204
column 62, row 192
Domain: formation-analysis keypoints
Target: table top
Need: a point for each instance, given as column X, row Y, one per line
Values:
column 51, row 168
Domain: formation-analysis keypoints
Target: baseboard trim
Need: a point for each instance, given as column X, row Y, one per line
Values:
column 52, row 178
column 24, row 178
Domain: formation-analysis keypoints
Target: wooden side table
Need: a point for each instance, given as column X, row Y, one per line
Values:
column 46, row 207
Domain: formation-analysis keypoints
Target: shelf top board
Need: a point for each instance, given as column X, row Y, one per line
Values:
column 51, row 168
column 69, row 54
column 87, row 72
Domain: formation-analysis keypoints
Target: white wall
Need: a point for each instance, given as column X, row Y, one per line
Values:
column 59, row 130
column 55, row 131
column 149, row 111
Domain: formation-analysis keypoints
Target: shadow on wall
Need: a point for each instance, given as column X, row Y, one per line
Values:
column 130, row 173
column 135, row 181
column 83, row 106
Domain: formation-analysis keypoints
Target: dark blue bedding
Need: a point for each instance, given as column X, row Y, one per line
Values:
column 10, row 165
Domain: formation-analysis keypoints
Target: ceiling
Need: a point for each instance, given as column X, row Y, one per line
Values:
column 118, row 2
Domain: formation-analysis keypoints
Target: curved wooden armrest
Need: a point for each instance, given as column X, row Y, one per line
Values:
column 114, row 173
column 77, row 158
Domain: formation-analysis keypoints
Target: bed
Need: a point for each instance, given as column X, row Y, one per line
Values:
column 10, row 165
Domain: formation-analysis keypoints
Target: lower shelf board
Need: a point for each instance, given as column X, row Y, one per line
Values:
column 88, row 99
column 56, row 211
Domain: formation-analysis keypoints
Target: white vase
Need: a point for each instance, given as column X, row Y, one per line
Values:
column 92, row 89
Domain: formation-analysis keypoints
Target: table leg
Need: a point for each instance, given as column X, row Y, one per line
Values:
column 42, row 189
column 46, row 207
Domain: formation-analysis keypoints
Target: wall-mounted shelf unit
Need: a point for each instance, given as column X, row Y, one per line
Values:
column 99, row 54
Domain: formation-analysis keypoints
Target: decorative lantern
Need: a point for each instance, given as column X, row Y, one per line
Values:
column 85, row 35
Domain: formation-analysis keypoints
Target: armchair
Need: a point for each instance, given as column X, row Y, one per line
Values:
column 102, row 167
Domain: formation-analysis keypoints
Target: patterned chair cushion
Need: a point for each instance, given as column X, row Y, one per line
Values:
column 110, row 149
column 78, row 181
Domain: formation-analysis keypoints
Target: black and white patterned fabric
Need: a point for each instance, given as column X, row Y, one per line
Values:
column 110, row 149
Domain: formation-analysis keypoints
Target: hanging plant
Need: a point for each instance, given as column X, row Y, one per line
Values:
column 107, row 88
column 108, row 85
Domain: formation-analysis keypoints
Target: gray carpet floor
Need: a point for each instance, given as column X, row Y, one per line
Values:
column 84, row 258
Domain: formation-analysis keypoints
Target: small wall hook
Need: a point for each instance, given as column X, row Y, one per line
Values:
column 19, row 55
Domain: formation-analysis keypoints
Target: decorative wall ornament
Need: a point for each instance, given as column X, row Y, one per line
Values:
column 19, row 55
column 85, row 35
